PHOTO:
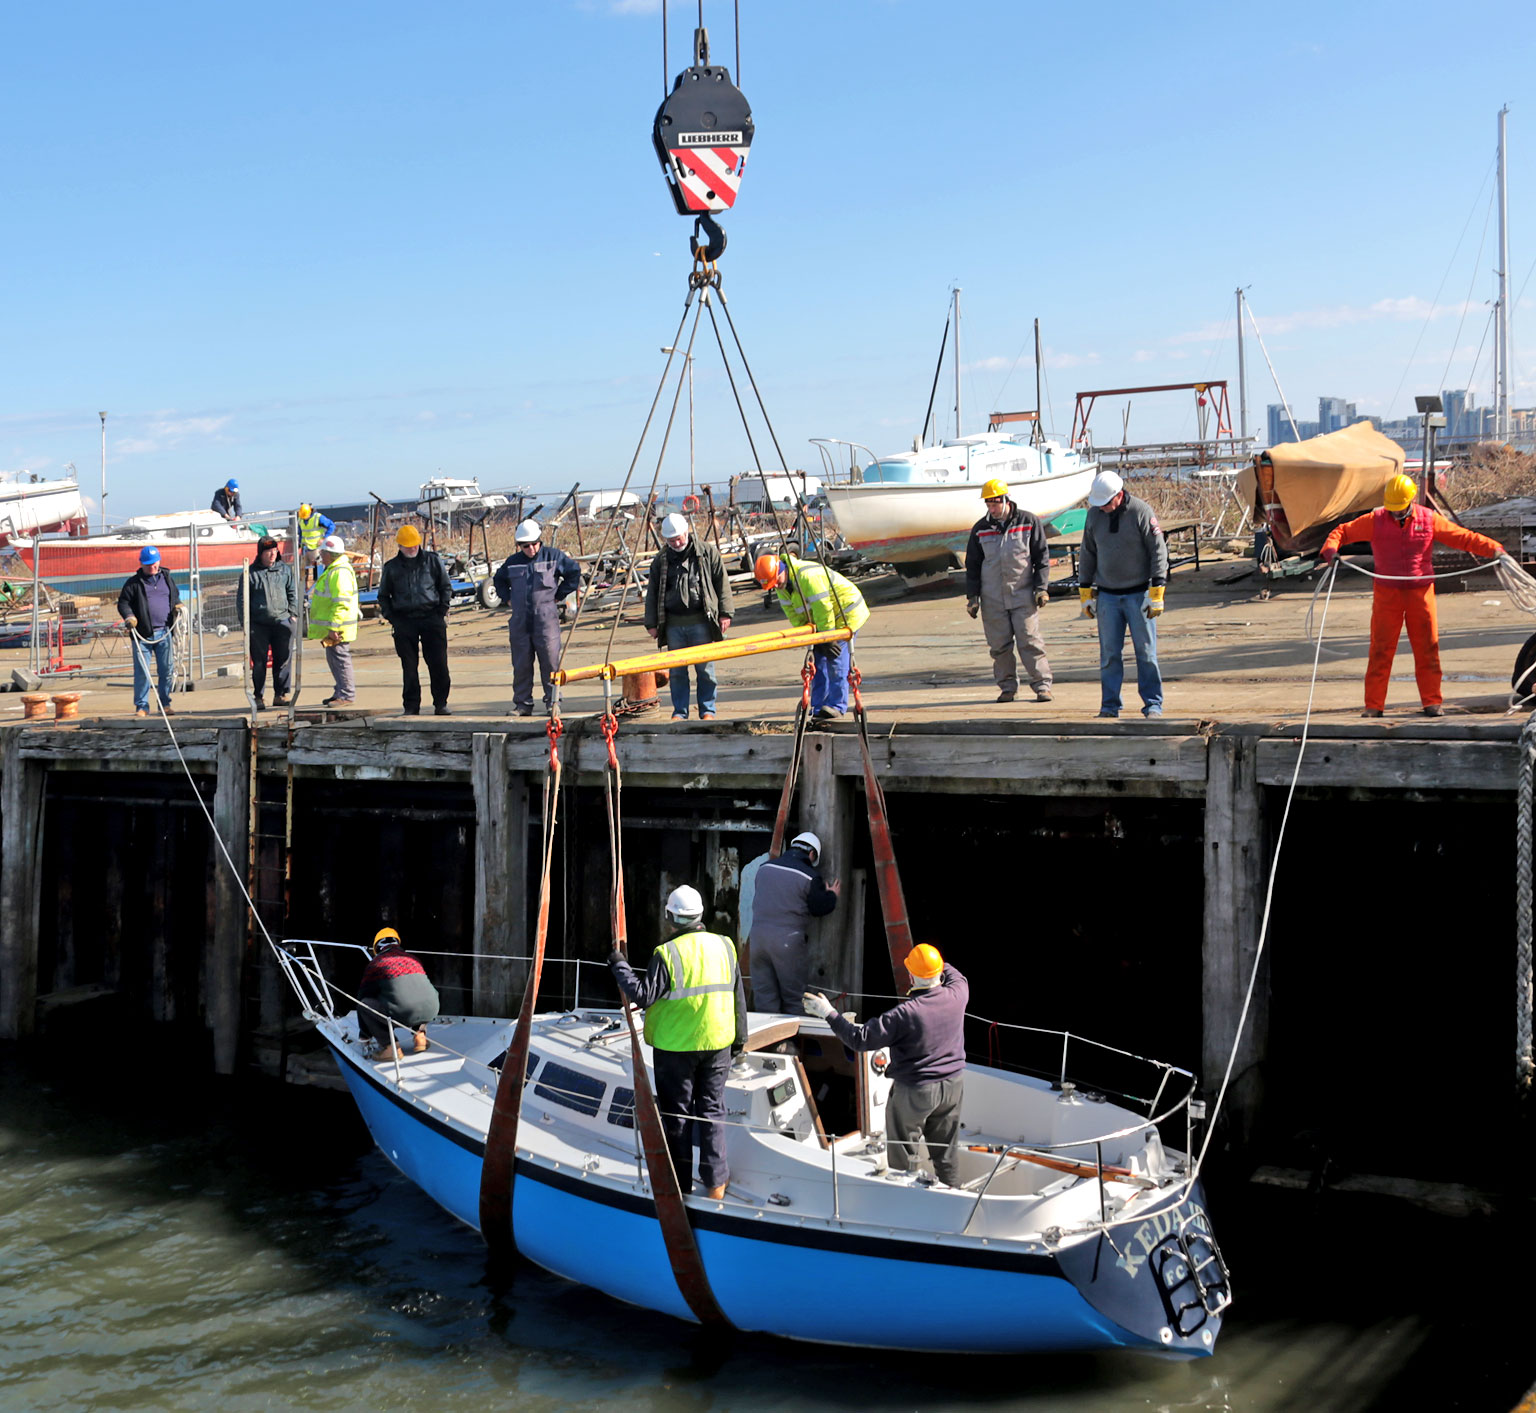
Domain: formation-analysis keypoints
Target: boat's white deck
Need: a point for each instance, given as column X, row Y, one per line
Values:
column 577, row 1116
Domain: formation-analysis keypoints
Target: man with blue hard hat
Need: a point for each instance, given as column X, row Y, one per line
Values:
column 148, row 605
column 226, row 501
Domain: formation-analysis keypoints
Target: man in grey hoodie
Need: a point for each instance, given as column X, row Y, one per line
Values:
column 1121, row 576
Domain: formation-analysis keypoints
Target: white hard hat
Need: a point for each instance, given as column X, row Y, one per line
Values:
column 1106, row 486
column 333, row 544
column 684, row 902
column 673, row 526
column 527, row 532
column 809, row 840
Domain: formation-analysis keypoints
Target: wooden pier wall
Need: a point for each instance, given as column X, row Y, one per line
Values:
column 1119, row 873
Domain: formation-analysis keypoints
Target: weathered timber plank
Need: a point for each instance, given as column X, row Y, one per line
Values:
column 224, row 952
column 1235, row 874
column 1045, row 763
column 501, row 877
column 826, row 806
column 1392, row 765
column 21, row 852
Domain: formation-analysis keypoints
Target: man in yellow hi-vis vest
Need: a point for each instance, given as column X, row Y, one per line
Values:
column 695, row 1020
column 333, row 617
column 822, row 599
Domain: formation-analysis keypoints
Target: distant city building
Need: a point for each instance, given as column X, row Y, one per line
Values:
column 1279, row 425
column 1334, row 413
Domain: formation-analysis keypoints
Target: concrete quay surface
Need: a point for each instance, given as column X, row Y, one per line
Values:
column 1229, row 653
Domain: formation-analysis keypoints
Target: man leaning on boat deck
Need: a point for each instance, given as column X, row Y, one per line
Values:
column 1007, row 568
column 926, row 1037
column 695, row 1020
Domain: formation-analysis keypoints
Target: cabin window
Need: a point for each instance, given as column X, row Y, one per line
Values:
column 622, row 1110
column 571, row 1088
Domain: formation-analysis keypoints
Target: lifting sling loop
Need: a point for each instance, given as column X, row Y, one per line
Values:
column 499, row 1170
column 893, row 903
column 671, row 1213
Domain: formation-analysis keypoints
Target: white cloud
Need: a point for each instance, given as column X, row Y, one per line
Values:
column 1410, row 308
column 1053, row 359
column 163, row 432
column 995, row 364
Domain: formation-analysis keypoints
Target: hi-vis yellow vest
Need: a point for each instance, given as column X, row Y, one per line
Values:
column 333, row 606
column 310, row 532
column 821, row 597
column 699, row 1011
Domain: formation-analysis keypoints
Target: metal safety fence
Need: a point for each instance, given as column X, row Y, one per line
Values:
column 63, row 599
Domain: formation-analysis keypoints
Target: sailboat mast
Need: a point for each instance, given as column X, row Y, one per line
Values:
column 957, row 361
column 1242, row 374
column 1039, row 425
column 1501, row 335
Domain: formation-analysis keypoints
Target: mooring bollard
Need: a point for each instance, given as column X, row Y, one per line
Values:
column 34, row 706
column 66, row 706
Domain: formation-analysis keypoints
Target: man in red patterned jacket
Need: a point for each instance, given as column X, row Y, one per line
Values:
column 395, row 986
column 1402, row 537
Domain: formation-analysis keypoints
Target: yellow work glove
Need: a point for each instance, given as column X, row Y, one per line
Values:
column 1086, row 597
column 1154, row 607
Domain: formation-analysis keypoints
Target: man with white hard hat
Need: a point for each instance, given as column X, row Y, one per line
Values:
column 687, row 604
column 532, row 582
column 1122, row 572
column 788, row 892
column 695, row 1020
column 333, row 618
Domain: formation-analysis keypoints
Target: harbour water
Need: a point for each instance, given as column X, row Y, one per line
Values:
column 170, row 1242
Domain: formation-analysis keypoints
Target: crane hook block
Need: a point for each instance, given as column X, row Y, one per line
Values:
column 702, row 132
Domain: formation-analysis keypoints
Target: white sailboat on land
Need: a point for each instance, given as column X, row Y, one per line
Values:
column 914, row 510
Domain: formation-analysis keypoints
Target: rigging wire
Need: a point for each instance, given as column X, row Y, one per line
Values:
column 1289, row 415
column 1466, row 303
column 1434, row 303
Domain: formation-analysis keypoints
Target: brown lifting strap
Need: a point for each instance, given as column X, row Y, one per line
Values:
column 666, row 1191
column 499, row 1170
column 893, row 902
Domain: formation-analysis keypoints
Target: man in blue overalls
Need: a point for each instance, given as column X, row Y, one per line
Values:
column 533, row 581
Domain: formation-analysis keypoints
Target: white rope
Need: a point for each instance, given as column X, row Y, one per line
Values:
column 154, row 692
column 1269, row 897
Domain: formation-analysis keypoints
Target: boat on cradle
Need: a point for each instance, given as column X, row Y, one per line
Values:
column 99, row 563
column 445, row 496
column 1074, row 1228
column 36, row 507
column 915, row 510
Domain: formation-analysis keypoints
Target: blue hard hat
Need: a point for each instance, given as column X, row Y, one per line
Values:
column 149, row 555
column 231, row 485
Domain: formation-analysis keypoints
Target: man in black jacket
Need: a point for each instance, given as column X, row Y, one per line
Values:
column 687, row 604
column 148, row 605
column 274, row 611
column 414, row 595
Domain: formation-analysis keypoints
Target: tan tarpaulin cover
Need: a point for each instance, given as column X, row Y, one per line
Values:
column 1327, row 479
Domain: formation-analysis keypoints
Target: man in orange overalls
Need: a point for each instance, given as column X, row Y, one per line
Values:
column 1402, row 536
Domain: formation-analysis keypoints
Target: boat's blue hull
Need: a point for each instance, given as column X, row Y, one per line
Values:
column 837, row 1287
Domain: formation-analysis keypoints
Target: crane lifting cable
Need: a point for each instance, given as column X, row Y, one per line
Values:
column 499, row 1170
column 666, row 1188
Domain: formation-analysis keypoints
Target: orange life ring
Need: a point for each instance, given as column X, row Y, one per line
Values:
column 691, row 504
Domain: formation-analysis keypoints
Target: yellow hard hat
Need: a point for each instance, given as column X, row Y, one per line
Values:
column 306, row 510
column 408, row 535
column 1400, row 493
column 384, row 937
column 995, row 489
column 767, row 570
column 924, row 962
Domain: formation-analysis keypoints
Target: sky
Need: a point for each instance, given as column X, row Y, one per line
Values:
column 328, row 248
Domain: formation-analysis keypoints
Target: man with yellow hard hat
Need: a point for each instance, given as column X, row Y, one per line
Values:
column 1007, row 568
column 926, row 1037
column 1402, row 537
column 313, row 528
column 414, row 597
